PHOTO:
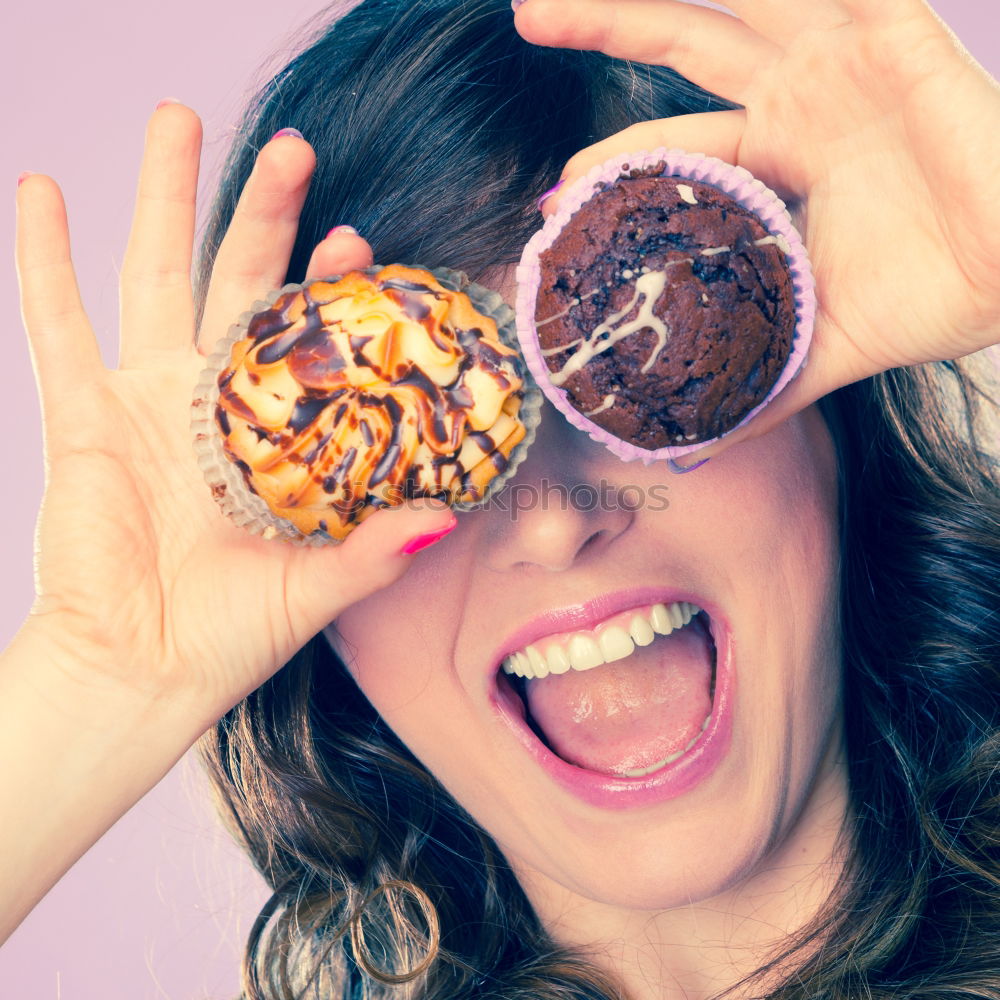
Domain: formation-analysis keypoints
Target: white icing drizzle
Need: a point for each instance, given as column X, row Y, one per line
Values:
column 687, row 193
column 547, row 352
column 779, row 241
column 712, row 251
column 609, row 401
column 559, row 315
column 649, row 287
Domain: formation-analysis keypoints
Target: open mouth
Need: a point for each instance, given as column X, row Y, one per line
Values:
column 628, row 699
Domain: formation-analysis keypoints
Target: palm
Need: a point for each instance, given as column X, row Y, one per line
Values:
column 140, row 577
column 125, row 497
column 881, row 129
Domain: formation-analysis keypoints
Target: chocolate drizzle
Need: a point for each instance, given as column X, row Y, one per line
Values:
column 385, row 464
column 400, row 284
column 274, row 350
column 270, row 322
column 316, row 359
column 357, row 348
column 229, row 400
column 413, row 305
column 484, row 441
column 307, row 408
column 386, row 408
column 340, row 470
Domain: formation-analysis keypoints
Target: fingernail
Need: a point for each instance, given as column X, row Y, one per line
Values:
column 674, row 467
column 281, row 133
column 349, row 230
column 514, row 4
column 551, row 191
column 23, row 176
column 427, row 539
column 166, row 101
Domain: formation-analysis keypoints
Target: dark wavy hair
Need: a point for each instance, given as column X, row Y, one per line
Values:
column 436, row 126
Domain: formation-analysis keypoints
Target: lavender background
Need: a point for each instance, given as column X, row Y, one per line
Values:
column 160, row 907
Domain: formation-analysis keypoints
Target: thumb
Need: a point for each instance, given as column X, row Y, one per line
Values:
column 340, row 251
column 716, row 133
column 322, row 582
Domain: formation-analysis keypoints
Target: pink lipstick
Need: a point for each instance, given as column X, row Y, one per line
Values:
column 675, row 777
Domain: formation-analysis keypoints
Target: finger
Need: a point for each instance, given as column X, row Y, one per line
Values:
column 341, row 251
column 781, row 22
column 775, row 21
column 718, row 133
column 323, row 582
column 254, row 255
column 157, row 312
column 64, row 350
column 709, row 47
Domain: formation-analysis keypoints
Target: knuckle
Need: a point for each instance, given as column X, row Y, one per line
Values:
column 160, row 277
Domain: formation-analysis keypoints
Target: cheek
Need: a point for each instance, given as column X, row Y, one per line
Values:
column 786, row 487
column 804, row 545
column 397, row 643
column 809, row 499
column 794, row 589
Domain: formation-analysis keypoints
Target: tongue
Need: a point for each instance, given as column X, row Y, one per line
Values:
column 631, row 713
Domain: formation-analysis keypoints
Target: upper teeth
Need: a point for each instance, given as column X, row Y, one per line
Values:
column 586, row 649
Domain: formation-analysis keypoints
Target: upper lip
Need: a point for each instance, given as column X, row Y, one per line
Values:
column 585, row 615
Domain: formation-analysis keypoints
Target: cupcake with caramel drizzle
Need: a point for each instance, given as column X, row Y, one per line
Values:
column 340, row 397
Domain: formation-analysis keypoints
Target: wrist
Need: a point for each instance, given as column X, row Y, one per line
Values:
column 77, row 750
column 92, row 685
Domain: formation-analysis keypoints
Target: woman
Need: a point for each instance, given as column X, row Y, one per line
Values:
column 845, row 554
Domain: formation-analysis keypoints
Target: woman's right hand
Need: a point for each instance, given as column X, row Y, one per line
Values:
column 141, row 582
column 154, row 613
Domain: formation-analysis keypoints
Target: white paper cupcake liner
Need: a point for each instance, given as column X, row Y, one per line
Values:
column 244, row 507
column 740, row 185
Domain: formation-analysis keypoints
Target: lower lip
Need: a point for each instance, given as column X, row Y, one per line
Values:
column 612, row 792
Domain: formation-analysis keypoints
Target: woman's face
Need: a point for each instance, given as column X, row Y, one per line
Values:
column 549, row 766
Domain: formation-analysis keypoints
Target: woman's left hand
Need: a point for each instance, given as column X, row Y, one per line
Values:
column 877, row 127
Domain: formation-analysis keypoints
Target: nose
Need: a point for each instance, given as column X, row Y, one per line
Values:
column 560, row 507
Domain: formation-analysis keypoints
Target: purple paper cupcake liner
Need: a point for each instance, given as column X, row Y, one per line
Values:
column 225, row 480
column 740, row 185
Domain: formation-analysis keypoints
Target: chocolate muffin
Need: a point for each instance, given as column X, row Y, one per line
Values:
column 665, row 309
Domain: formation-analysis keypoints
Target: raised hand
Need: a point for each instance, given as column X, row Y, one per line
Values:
column 154, row 613
column 140, row 578
column 876, row 126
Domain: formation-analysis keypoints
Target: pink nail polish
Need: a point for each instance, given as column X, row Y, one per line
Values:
column 551, row 191
column 674, row 467
column 514, row 4
column 427, row 539
column 281, row 133
column 348, row 230
column 23, row 176
column 166, row 101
